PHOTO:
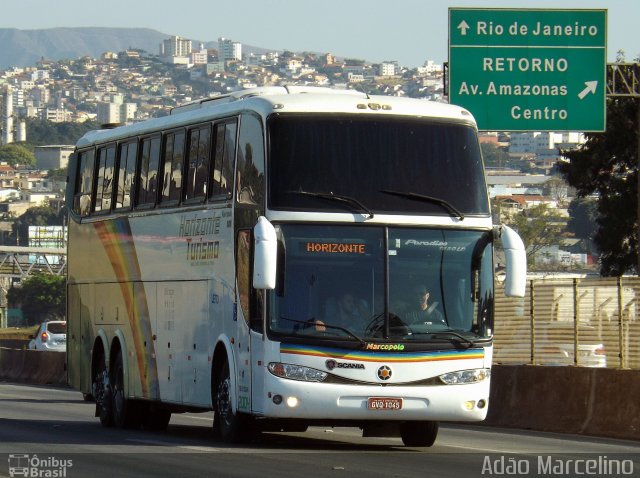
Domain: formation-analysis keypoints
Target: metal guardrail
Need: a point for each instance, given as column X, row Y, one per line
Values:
column 19, row 262
column 590, row 322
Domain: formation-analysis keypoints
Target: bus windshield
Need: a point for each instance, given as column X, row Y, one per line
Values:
column 383, row 283
column 385, row 164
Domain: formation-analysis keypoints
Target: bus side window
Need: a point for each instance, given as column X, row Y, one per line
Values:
column 126, row 175
column 173, row 167
column 149, row 160
column 224, row 155
column 104, row 180
column 84, row 184
column 250, row 177
column 198, row 163
column 248, row 296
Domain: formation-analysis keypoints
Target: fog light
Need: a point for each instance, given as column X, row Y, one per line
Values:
column 482, row 403
column 292, row 402
column 470, row 404
column 277, row 399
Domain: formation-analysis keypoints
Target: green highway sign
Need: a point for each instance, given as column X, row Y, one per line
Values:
column 529, row 70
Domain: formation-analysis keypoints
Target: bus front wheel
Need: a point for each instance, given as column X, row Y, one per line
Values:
column 229, row 426
column 419, row 433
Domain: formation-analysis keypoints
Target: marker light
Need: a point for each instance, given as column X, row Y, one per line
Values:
column 292, row 402
column 296, row 372
column 466, row 376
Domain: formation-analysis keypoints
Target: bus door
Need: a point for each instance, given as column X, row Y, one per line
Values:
column 242, row 315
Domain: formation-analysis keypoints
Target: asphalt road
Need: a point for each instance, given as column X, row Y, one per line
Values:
column 52, row 432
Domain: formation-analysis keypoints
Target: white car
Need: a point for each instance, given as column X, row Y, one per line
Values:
column 51, row 336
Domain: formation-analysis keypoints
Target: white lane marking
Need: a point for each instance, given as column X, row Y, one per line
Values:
column 197, row 418
column 174, row 445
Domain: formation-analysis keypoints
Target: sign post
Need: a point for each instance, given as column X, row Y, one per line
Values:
column 529, row 70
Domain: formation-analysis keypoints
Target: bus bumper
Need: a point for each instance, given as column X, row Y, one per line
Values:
column 313, row 400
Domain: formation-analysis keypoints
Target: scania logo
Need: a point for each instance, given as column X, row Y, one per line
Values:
column 384, row 373
column 331, row 364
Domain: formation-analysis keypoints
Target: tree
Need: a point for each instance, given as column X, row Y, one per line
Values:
column 41, row 297
column 538, row 228
column 15, row 154
column 556, row 189
column 583, row 213
column 494, row 156
column 607, row 165
column 42, row 132
column 58, row 174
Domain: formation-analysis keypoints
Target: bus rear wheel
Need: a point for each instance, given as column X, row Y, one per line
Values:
column 101, row 389
column 419, row 433
column 125, row 413
column 228, row 426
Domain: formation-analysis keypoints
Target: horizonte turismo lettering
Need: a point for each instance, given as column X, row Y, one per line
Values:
column 198, row 250
column 204, row 226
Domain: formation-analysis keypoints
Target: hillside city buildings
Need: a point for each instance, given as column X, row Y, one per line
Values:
column 135, row 85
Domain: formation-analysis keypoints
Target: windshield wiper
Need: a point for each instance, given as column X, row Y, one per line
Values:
column 445, row 333
column 313, row 323
column 338, row 198
column 421, row 197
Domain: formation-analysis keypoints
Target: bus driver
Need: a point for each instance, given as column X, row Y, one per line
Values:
column 424, row 313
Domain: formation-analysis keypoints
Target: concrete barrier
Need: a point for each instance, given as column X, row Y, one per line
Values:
column 33, row 366
column 590, row 401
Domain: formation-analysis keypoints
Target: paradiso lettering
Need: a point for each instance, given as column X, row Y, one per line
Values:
column 335, row 248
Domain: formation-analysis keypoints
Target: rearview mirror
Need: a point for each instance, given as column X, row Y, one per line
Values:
column 515, row 283
column 265, row 255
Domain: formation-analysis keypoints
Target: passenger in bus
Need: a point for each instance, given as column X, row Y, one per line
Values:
column 424, row 312
column 347, row 311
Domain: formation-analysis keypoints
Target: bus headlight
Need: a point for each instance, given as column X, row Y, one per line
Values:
column 296, row 372
column 466, row 376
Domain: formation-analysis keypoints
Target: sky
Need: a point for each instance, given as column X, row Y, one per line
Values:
column 409, row 31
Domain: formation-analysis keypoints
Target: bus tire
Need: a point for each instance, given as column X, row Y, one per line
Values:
column 102, row 393
column 228, row 426
column 124, row 410
column 419, row 433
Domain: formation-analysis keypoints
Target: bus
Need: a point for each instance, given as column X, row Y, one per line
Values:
column 211, row 253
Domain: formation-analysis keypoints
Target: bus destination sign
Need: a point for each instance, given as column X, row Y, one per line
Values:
column 529, row 70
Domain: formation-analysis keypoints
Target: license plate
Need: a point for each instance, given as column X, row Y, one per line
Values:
column 384, row 403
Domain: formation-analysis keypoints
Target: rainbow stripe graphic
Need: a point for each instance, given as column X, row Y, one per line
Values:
column 372, row 356
column 117, row 241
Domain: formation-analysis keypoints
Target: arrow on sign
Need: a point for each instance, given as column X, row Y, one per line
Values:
column 464, row 26
column 590, row 88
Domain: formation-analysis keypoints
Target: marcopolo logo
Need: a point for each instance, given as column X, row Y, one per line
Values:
column 34, row 466
column 331, row 364
column 384, row 347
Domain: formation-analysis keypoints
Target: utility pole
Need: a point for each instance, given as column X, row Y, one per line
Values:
column 623, row 81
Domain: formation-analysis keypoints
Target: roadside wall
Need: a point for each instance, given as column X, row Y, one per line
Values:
column 590, row 401
column 33, row 366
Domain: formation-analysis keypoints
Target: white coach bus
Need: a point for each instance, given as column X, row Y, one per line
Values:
column 286, row 257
